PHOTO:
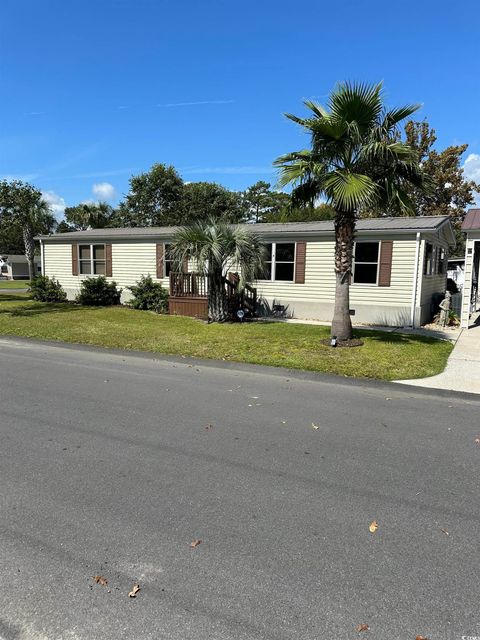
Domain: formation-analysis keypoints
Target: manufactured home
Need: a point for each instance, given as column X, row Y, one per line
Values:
column 399, row 271
column 15, row 267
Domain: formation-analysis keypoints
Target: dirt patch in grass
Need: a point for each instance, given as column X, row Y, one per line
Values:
column 354, row 342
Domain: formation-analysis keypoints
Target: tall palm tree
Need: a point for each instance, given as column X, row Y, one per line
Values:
column 215, row 247
column 356, row 161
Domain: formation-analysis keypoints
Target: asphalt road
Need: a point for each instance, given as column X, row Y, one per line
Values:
column 107, row 468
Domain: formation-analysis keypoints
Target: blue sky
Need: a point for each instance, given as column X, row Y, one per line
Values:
column 93, row 91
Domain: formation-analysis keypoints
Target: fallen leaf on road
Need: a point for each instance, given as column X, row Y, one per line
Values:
column 421, row 638
column 362, row 627
column 373, row 526
column 195, row 543
column 477, row 440
column 209, row 427
column 134, row 591
column 387, row 398
column 445, row 532
column 101, row 580
column 315, row 426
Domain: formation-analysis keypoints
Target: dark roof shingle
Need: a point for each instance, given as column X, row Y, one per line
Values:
column 472, row 220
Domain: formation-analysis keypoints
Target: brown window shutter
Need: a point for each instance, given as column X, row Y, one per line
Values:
column 185, row 265
column 108, row 260
column 385, row 267
column 300, row 255
column 74, row 259
column 160, row 261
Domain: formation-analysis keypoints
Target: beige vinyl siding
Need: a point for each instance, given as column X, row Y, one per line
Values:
column 130, row 260
column 319, row 283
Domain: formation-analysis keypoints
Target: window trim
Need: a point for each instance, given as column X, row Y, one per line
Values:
column 165, row 260
column 436, row 260
column 273, row 262
column 92, row 260
column 366, row 284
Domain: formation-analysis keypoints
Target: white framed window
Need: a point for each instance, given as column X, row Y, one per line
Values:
column 280, row 261
column 429, row 259
column 167, row 261
column 434, row 260
column 92, row 259
column 366, row 257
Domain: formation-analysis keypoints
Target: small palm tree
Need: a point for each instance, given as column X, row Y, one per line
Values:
column 356, row 161
column 217, row 247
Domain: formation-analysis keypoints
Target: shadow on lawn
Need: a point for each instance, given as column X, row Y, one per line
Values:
column 397, row 338
column 33, row 308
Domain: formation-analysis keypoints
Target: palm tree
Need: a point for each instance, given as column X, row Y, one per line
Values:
column 215, row 247
column 356, row 161
column 38, row 219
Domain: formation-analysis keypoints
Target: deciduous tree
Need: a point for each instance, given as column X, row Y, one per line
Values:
column 154, row 199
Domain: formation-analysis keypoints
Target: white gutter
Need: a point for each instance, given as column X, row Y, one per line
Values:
column 42, row 257
column 415, row 281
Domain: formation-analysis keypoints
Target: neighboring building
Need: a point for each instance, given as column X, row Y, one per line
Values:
column 15, row 267
column 471, row 295
column 456, row 270
column 399, row 274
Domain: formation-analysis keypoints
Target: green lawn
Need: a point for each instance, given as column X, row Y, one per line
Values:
column 384, row 355
column 14, row 284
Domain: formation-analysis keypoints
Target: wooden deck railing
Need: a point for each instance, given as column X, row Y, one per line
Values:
column 188, row 285
column 194, row 285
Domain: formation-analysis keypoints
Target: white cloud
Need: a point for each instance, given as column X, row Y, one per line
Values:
column 471, row 167
column 55, row 202
column 104, row 191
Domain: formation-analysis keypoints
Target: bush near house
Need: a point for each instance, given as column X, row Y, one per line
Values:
column 45, row 289
column 149, row 296
column 98, row 292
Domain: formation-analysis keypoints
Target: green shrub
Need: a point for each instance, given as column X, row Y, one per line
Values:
column 149, row 296
column 45, row 289
column 98, row 292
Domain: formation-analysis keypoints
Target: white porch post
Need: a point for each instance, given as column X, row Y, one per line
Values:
column 467, row 284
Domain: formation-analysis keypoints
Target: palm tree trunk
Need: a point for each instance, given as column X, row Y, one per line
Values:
column 217, row 297
column 344, row 237
column 29, row 243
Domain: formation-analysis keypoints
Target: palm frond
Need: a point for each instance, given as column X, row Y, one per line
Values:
column 359, row 102
column 350, row 191
column 393, row 117
column 318, row 110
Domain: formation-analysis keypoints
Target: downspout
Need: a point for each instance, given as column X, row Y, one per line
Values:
column 415, row 281
column 42, row 258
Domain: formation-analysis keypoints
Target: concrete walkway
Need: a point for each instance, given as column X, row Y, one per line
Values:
column 7, row 291
column 448, row 333
column 462, row 372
